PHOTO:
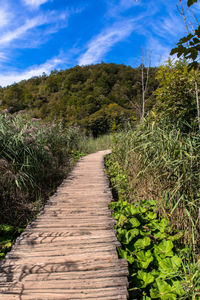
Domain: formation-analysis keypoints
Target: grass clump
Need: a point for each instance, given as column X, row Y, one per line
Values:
column 163, row 164
column 158, row 162
column 34, row 159
column 91, row 145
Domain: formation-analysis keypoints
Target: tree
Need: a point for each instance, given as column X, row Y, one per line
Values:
column 144, row 81
column 176, row 95
column 189, row 47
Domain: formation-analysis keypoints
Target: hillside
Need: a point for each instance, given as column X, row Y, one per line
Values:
column 98, row 98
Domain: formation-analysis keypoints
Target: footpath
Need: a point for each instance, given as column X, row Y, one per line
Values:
column 69, row 251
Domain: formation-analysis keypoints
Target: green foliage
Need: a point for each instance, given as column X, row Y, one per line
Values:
column 154, row 253
column 34, row 158
column 8, row 234
column 161, row 162
column 191, row 2
column 99, row 98
column 91, row 145
column 175, row 97
column 188, row 47
column 76, row 154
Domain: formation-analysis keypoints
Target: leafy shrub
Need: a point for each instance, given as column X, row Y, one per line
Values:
column 175, row 96
column 159, row 265
column 8, row 234
column 148, row 246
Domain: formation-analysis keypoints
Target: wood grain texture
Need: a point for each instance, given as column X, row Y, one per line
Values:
column 69, row 251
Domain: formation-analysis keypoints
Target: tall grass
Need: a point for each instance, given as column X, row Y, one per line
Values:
column 163, row 164
column 34, row 158
column 91, row 145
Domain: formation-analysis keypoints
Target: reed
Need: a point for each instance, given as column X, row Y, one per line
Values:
column 91, row 145
column 34, row 158
column 162, row 163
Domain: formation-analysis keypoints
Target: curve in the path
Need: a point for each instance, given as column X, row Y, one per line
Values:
column 69, row 252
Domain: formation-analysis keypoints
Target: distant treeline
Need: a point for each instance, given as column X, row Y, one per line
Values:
column 98, row 98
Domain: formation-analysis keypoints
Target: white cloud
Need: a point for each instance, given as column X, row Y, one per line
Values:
column 47, row 67
column 124, row 4
column 27, row 29
column 21, row 30
column 104, row 41
column 34, row 3
column 170, row 26
column 116, row 9
column 3, row 57
column 5, row 17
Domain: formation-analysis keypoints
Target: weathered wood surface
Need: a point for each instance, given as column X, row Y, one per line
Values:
column 69, row 252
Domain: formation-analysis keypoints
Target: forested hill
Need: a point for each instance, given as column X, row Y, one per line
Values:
column 99, row 98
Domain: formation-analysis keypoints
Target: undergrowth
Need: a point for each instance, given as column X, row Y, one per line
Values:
column 162, row 163
column 155, row 175
column 34, row 159
column 91, row 145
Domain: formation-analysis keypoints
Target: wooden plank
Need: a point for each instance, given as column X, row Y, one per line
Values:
column 116, row 292
column 40, row 268
column 69, row 252
column 116, row 271
column 62, row 252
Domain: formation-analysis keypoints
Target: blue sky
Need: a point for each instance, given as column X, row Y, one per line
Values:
column 38, row 36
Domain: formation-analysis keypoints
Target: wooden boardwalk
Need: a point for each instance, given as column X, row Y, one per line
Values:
column 69, row 252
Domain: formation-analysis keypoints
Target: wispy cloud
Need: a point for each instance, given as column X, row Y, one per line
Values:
column 104, row 41
column 168, row 27
column 47, row 67
column 115, row 9
column 122, row 28
column 28, row 29
column 5, row 17
column 21, row 30
column 3, row 57
column 34, row 3
column 124, row 4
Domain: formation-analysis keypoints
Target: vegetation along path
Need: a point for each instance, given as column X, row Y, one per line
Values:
column 69, row 252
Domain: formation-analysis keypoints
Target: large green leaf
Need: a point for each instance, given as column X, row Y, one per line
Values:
column 121, row 220
column 150, row 215
column 142, row 243
column 142, row 210
column 124, row 254
column 164, row 249
column 130, row 234
column 145, row 277
column 134, row 222
column 168, row 265
column 162, row 291
column 156, row 225
column 121, row 234
column 178, row 287
column 144, row 258
column 160, row 235
column 131, row 210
